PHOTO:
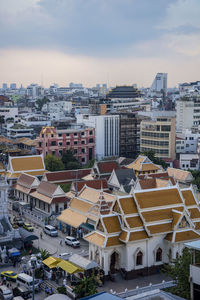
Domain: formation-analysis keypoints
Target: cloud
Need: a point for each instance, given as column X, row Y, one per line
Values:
column 105, row 27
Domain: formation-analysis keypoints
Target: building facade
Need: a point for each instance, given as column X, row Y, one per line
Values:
column 187, row 113
column 107, row 130
column 56, row 142
column 159, row 134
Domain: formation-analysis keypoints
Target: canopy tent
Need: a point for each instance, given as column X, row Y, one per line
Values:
column 87, row 226
column 13, row 252
column 27, row 236
column 83, row 262
column 193, row 245
column 51, row 262
column 69, row 267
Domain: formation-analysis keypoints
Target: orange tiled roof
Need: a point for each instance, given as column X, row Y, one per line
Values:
column 189, row 198
column 123, row 235
column 160, row 214
column 128, row 205
column 138, row 235
column 186, row 236
column 27, row 163
column 158, row 198
column 112, row 224
column 160, row 228
column 194, row 213
column 113, row 241
column 96, row 238
column 80, row 205
column 134, row 222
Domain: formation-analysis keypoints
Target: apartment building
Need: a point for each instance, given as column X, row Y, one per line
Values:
column 187, row 113
column 187, row 142
column 81, row 141
column 158, row 133
column 106, row 133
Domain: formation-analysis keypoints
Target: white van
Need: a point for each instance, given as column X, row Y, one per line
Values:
column 50, row 230
column 27, row 281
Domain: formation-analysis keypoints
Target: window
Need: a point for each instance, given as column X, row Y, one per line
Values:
column 51, row 135
column 91, row 140
column 75, row 151
column 139, row 258
column 40, row 144
column 82, row 142
column 60, row 134
column 183, row 165
column 75, row 133
column 159, row 254
column 75, row 142
column 53, row 143
column 91, row 132
column 82, row 133
column 68, row 143
column 67, row 134
column 83, row 159
column 53, row 152
column 42, row 135
column 83, row 150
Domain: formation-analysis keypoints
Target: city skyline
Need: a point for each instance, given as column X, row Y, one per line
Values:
column 115, row 42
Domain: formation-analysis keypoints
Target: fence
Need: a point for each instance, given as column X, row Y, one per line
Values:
column 139, row 290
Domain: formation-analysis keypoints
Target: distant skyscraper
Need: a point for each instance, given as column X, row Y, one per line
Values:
column 104, row 86
column 98, row 86
column 4, row 86
column 13, row 86
column 160, row 83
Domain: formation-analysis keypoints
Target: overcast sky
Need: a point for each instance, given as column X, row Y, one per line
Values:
column 99, row 41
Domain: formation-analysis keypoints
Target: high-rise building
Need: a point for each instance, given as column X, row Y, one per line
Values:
column 187, row 113
column 13, row 86
column 129, row 145
column 160, row 83
column 158, row 133
column 106, row 133
column 4, row 86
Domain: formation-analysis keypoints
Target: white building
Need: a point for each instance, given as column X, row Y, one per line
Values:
column 145, row 230
column 16, row 131
column 35, row 120
column 57, row 110
column 160, row 83
column 187, row 113
column 189, row 161
column 9, row 112
column 106, row 133
column 187, row 142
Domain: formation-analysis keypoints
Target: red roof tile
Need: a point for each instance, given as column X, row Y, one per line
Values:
column 68, row 175
column 95, row 184
column 107, row 166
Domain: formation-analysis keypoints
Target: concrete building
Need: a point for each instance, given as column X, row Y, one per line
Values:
column 187, row 113
column 160, row 83
column 16, row 131
column 106, row 133
column 81, row 141
column 145, row 230
column 57, row 110
column 186, row 142
column 189, row 161
column 9, row 112
column 159, row 134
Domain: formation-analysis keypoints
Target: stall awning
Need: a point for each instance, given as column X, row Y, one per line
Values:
column 83, row 262
column 87, row 226
column 71, row 218
column 27, row 236
column 69, row 267
column 51, row 262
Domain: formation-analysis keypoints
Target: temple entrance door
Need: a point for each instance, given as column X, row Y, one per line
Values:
column 114, row 262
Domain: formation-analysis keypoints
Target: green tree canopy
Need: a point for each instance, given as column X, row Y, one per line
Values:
column 196, row 180
column 69, row 160
column 156, row 160
column 41, row 102
column 66, row 187
column 179, row 271
column 86, row 287
column 53, row 163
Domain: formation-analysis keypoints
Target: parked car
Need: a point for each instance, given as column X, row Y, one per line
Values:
column 5, row 293
column 64, row 256
column 10, row 275
column 28, row 227
column 71, row 241
column 18, row 221
column 50, row 230
column 21, row 291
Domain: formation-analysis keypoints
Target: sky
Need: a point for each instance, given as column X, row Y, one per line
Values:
column 99, row 41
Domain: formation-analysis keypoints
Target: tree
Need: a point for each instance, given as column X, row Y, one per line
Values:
column 44, row 254
column 69, row 160
column 53, row 163
column 66, row 187
column 41, row 102
column 179, row 271
column 90, row 164
column 86, row 287
column 196, row 180
column 156, row 160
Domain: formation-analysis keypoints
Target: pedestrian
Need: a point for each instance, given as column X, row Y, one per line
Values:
column 41, row 235
column 46, row 290
column 51, row 291
column 61, row 242
column 30, row 252
column 4, row 280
